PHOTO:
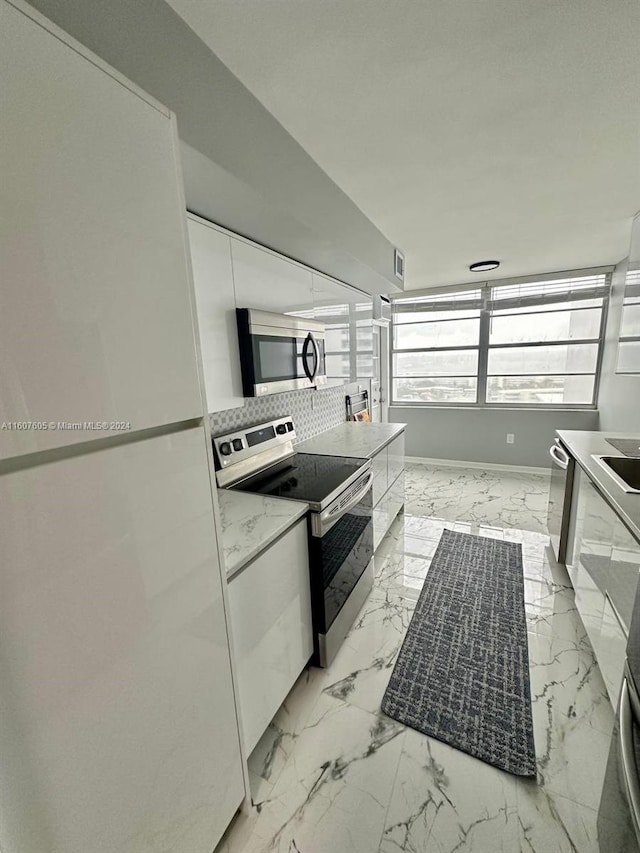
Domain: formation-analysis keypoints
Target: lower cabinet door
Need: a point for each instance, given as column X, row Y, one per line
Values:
column 118, row 723
column 611, row 652
column 590, row 604
column 270, row 606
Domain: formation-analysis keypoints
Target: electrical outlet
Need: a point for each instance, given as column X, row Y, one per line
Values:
column 511, row 438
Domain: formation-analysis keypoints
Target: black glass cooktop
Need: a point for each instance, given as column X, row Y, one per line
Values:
column 303, row 477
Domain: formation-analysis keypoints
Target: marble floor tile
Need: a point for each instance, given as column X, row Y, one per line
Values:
column 276, row 745
column 549, row 822
column 333, row 793
column 333, row 773
column 501, row 498
column 445, row 801
column 361, row 670
column 551, row 611
column 402, row 575
column 572, row 718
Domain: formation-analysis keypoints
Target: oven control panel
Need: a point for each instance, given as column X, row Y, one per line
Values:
column 250, row 441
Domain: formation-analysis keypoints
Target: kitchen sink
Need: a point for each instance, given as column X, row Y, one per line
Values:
column 625, row 470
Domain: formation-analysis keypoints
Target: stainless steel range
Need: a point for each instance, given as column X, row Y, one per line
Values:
column 262, row 459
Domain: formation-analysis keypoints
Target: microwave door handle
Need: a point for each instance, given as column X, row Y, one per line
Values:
column 316, row 355
column 309, row 341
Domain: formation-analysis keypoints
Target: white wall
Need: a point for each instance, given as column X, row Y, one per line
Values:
column 619, row 398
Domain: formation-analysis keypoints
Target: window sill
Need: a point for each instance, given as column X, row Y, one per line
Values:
column 506, row 408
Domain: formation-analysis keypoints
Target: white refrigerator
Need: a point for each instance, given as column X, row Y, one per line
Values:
column 118, row 725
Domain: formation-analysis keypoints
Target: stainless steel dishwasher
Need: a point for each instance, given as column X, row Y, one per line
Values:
column 560, row 489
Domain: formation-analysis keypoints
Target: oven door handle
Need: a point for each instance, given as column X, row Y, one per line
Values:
column 310, row 341
column 627, row 754
column 322, row 522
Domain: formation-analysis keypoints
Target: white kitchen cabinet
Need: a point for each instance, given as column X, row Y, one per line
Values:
column 396, row 458
column 347, row 314
column 268, row 281
column 612, row 647
column 216, row 313
column 379, row 471
column 387, row 509
column 395, row 497
column 594, row 559
column 270, row 603
column 603, row 560
column 96, row 308
column 118, row 729
column 625, row 568
column 388, row 486
column 590, row 605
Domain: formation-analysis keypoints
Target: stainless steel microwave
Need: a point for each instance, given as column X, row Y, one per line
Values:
column 279, row 352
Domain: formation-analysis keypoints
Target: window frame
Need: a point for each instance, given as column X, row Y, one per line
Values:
column 484, row 347
column 631, row 291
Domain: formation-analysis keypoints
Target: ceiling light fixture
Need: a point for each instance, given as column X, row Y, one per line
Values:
column 484, row 266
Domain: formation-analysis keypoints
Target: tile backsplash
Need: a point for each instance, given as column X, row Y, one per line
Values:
column 313, row 411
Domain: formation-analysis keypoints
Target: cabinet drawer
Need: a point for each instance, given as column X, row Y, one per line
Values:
column 387, row 509
column 396, row 496
column 379, row 465
column 396, row 458
column 380, row 523
column 270, row 607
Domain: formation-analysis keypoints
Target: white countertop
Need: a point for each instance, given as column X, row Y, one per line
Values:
column 251, row 522
column 352, row 438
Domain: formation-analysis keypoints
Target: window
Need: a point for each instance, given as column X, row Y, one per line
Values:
column 530, row 343
column 436, row 342
column 629, row 341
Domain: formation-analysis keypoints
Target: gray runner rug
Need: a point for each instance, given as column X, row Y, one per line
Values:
column 462, row 675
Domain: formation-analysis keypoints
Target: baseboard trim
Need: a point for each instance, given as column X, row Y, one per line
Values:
column 459, row 463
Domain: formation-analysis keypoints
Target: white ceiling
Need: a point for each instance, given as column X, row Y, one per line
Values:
column 464, row 129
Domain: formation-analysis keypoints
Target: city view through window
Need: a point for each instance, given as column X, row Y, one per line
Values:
column 533, row 343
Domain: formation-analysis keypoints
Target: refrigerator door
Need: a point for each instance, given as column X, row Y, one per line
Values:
column 96, row 320
column 118, row 727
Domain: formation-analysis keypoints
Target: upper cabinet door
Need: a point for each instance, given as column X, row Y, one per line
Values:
column 96, row 316
column 269, row 282
column 216, row 310
column 347, row 314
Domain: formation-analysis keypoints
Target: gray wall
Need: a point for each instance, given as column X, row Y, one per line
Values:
column 479, row 435
column 248, row 160
column 619, row 398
